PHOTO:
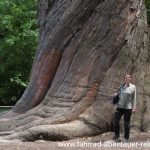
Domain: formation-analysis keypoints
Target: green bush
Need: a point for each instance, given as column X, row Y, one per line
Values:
column 147, row 3
column 18, row 41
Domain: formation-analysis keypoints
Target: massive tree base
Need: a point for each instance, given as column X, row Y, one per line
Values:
column 84, row 50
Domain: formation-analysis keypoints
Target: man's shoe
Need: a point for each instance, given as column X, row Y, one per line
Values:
column 126, row 140
column 118, row 140
column 116, row 137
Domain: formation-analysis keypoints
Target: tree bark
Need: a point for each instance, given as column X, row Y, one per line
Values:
column 85, row 48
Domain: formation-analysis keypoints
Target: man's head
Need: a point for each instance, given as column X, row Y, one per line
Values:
column 127, row 78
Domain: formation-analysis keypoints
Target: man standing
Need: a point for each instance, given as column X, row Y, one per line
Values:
column 125, row 106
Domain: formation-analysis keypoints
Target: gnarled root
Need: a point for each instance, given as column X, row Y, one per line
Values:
column 64, row 131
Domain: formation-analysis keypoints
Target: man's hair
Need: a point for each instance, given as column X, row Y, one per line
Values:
column 127, row 75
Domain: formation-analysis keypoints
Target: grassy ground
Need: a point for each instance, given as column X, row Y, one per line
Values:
column 4, row 109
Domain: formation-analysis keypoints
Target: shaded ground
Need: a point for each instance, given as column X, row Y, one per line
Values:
column 102, row 142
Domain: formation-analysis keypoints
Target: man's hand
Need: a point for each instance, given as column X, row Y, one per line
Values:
column 133, row 110
column 115, row 94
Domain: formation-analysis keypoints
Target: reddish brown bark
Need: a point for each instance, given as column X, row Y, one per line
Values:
column 43, row 74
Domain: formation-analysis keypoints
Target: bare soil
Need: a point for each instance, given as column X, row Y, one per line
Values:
column 103, row 142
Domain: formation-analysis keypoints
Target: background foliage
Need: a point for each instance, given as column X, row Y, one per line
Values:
column 18, row 40
column 147, row 2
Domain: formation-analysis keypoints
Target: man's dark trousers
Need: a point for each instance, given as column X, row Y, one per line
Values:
column 127, row 115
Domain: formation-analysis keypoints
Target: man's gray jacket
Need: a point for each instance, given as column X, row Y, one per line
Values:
column 127, row 97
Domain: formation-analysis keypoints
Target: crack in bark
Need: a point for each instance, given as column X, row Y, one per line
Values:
column 142, row 118
column 91, row 125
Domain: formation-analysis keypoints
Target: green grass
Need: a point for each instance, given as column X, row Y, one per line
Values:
column 4, row 109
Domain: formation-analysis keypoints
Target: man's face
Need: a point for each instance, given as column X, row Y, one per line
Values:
column 127, row 78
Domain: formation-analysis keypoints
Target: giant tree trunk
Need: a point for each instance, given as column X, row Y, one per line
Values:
column 85, row 48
